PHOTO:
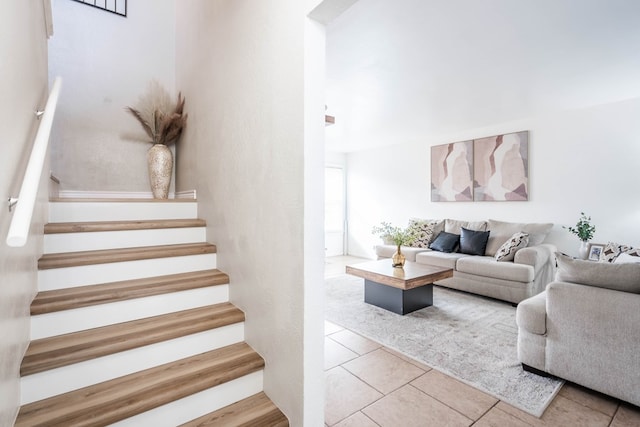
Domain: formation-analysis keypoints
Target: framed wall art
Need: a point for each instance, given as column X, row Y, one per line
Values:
column 501, row 167
column 452, row 172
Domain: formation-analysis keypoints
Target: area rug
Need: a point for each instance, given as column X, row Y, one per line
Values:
column 468, row 337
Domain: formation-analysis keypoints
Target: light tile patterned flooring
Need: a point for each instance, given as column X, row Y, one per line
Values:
column 368, row 385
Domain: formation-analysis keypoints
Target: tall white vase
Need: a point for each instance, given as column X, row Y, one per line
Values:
column 160, row 163
column 583, row 252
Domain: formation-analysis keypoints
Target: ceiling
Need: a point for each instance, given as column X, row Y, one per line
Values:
column 405, row 70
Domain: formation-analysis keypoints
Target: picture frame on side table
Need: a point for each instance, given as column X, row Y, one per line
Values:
column 595, row 251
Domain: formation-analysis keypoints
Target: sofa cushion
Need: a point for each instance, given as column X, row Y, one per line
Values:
column 619, row 277
column 440, row 259
column 445, row 242
column 387, row 251
column 613, row 250
column 454, row 226
column 473, row 242
column 502, row 231
column 488, row 267
column 423, row 231
column 507, row 251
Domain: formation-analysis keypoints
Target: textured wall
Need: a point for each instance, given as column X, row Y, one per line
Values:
column 581, row 160
column 107, row 62
column 23, row 84
column 241, row 66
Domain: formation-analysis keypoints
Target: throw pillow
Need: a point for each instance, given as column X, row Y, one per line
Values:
column 507, row 251
column 610, row 252
column 618, row 277
column 613, row 250
column 446, row 242
column 501, row 231
column 473, row 242
column 625, row 258
column 422, row 232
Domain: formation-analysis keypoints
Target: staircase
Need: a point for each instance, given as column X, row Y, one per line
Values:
column 132, row 325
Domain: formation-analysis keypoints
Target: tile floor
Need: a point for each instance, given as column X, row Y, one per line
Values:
column 368, row 385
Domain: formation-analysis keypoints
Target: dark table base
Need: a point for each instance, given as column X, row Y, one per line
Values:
column 397, row 300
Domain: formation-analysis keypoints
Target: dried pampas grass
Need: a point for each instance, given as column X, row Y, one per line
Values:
column 161, row 120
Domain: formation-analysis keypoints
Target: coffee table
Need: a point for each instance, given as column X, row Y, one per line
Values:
column 400, row 290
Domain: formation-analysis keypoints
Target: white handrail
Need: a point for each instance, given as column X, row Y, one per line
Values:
column 21, row 221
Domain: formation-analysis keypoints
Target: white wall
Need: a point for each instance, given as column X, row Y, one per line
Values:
column 314, row 101
column 333, row 158
column 241, row 66
column 107, row 62
column 583, row 160
column 23, row 84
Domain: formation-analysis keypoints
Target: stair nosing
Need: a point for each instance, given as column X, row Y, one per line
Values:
column 118, row 200
column 144, row 390
column 89, row 295
column 240, row 412
column 107, row 256
column 64, row 350
column 55, row 228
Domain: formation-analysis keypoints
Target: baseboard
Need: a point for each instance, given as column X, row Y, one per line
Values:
column 72, row 194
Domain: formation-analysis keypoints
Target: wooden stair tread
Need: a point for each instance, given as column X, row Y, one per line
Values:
column 72, row 259
column 255, row 411
column 83, row 296
column 123, row 397
column 82, row 227
column 62, row 350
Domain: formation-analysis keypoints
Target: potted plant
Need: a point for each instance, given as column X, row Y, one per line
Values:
column 163, row 122
column 398, row 236
column 384, row 231
column 585, row 231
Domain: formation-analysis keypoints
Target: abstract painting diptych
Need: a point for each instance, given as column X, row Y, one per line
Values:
column 485, row 169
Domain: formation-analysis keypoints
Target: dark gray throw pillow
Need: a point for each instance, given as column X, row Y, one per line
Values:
column 445, row 242
column 473, row 242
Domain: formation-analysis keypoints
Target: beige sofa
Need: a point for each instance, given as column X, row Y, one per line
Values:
column 585, row 328
column 527, row 274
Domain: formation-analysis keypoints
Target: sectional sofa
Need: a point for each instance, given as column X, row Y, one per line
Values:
column 513, row 265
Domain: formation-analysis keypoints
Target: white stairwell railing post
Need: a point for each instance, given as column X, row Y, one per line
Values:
column 21, row 221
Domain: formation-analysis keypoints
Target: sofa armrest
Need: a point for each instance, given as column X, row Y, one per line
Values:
column 536, row 256
column 531, row 314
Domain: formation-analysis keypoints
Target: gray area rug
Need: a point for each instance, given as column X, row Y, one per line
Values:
column 468, row 337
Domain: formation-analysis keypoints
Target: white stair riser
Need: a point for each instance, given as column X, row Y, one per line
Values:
column 69, row 277
column 92, row 241
column 197, row 405
column 66, row 321
column 120, row 211
column 67, row 378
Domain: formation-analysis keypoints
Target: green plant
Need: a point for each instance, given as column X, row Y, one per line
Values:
column 162, row 121
column 383, row 230
column 398, row 235
column 583, row 229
